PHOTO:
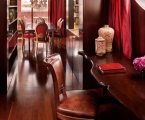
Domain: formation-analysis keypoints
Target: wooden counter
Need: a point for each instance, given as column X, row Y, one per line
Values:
column 128, row 88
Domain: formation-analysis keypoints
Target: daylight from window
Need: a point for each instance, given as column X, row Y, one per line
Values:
column 38, row 5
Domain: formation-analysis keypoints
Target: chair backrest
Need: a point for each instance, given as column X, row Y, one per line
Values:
column 41, row 31
column 59, row 23
column 22, row 24
column 55, row 65
column 40, row 19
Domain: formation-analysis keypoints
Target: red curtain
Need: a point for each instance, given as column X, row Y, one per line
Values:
column 61, row 13
column 57, row 10
column 53, row 11
column 120, row 20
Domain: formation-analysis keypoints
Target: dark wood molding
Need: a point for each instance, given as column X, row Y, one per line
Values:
column 128, row 88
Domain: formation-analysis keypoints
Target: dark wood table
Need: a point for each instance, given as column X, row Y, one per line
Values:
column 128, row 88
column 51, row 28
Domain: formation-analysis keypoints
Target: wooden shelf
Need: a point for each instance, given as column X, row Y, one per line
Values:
column 13, row 21
column 11, row 40
column 12, row 6
column 10, row 51
column 8, row 43
column 10, row 36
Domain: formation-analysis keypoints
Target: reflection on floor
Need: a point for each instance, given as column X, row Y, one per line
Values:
column 30, row 95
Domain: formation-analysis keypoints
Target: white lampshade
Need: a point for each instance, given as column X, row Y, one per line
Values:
column 141, row 3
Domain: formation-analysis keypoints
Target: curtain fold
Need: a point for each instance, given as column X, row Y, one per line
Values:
column 57, row 10
column 61, row 13
column 53, row 11
column 120, row 20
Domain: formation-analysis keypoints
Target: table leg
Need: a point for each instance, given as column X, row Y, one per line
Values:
column 52, row 40
column 29, row 42
column 105, row 91
column 105, row 98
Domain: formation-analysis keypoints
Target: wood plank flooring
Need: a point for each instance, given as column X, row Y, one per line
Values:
column 30, row 95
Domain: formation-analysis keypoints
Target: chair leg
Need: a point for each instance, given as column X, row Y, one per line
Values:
column 59, row 42
column 33, row 43
column 33, row 49
column 23, row 43
column 37, row 48
column 46, row 48
column 50, row 42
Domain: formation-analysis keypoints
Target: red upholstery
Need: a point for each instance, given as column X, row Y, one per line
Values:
column 25, row 34
column 74, row 104
column 58, row 32
column 41, row 32
column 79, row 103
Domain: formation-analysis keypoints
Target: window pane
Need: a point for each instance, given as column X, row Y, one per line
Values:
column 25, row 10
column 38, row 5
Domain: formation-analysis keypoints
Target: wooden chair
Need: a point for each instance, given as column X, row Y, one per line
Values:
column 25, row 34
column 74, row 104
column 39, row 19
column 41, row 32
column 58, row 31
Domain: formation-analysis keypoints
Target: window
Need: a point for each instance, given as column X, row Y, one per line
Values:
column 40, row 9
column 38, row 5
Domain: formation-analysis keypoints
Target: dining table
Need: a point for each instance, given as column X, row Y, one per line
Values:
column 31, row 28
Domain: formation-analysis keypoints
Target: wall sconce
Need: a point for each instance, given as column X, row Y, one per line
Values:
column 141, row 3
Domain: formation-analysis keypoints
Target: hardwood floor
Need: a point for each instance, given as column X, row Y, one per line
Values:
column 30, row 95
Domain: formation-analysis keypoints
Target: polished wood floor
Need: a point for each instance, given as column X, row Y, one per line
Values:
column 30, row 95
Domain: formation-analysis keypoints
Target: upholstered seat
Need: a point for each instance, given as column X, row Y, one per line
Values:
column 25, row 34
column 58, row 32
column 41, row 32
column 79, row 103
column 74, row 104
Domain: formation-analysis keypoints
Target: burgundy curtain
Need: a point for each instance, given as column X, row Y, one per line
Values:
column 61, row 13
column 53, row 11
column 120, row 20
column 57, row 10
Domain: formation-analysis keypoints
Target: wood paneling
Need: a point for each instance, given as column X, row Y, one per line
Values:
column 77, row 59
column 3, row 47
column 73, row 45
column 69, row 44
column 70, row 13
column 138, row 29
column 95, row 15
